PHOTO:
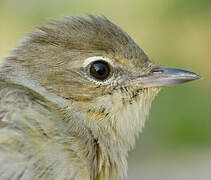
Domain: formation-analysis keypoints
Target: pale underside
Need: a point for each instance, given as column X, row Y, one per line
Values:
column 38, row 141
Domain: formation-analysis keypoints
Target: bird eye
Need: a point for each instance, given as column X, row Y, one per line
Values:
column 100, row 70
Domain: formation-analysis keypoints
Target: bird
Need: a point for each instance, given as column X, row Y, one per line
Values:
column 74, row 95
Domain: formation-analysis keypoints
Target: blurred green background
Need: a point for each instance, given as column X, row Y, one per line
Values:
column 176, row 142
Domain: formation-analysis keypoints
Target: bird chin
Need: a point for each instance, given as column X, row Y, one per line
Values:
column 129, row 117
column 122, row 117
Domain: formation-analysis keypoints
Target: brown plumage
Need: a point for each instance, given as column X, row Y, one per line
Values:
column 73, row 97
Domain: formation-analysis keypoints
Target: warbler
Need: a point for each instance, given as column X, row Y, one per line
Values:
column 74, row 95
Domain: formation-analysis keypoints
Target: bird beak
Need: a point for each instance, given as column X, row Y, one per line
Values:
column 162, row 76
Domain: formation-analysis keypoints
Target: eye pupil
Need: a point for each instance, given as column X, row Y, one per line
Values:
column 100, row 70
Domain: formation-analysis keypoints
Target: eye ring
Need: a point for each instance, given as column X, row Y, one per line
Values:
column 89, row 61
column 100, row 70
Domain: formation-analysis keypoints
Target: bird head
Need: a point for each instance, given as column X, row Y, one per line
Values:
column 94, row 66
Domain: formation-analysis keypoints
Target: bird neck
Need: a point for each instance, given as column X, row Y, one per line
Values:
column 114, row 125
column 111, row 153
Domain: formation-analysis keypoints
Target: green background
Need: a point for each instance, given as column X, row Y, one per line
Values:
column 176, row 141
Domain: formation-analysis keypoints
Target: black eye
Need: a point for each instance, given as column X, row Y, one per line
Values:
column 100, row 70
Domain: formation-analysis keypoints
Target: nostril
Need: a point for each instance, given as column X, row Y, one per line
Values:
column 157, row 70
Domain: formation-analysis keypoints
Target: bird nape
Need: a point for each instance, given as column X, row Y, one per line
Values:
column 74, row 95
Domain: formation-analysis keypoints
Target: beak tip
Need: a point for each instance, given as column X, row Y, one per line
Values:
column 194, row 76
column 198, row 76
